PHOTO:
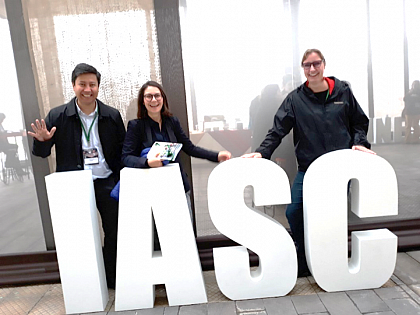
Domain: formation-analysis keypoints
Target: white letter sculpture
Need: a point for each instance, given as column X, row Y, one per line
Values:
column 277, row 271
column 374, row 192
column 177, row 265
column 77, row 240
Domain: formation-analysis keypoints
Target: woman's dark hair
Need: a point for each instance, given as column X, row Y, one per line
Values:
column 310, row 51
column 141, row 108
column 83, row 68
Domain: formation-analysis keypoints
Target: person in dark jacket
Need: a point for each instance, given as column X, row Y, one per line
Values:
column 270, row 101
column 156, row 123
column 412, row 113
column 11, row 151
column 324, row 116
column 87, row 134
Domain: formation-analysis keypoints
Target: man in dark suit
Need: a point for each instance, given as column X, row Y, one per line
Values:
column 87, row 134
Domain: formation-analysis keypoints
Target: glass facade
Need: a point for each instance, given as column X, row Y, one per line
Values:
column 239, row 57
column 20, row 221
column 412, row 8
column 231, row 64
column 119, row 39
column 228, row 65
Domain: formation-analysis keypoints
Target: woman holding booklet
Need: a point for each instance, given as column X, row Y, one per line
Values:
column 155, row 123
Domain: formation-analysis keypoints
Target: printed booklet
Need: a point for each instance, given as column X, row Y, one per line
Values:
column 164, row 150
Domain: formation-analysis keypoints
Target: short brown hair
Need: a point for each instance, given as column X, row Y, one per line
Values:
column 310, row 51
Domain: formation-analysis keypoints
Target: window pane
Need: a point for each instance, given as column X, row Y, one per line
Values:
column 219, row 60
column 20, row 221
column 413, row 37
column 344, row 47
column 387, row 31
column 227, row 65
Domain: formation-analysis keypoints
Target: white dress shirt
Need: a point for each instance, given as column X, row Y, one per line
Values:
column 100, row 170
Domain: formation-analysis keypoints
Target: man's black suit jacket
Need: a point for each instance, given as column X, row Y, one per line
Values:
column 68, row 137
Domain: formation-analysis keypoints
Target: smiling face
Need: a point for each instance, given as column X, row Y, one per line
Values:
column 86, row 89
column 314, row 74
column 153, row 105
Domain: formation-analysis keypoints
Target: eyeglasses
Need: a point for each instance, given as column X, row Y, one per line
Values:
column 149, row 97
column 316, row 64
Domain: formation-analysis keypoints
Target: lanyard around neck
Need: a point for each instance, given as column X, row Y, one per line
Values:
column 87, row 135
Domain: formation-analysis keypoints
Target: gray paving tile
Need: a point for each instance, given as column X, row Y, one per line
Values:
column 415, row 255
column 307, row 304
column 279, row 306
column 223, row 308
column 367, row 301
column 250, row 305
column 407, row 269
column 254, row 313
column 199, row 309
column 151, row 311
column 338, row 303
column 404, row 307
column 415, row 288
column 21, row 300
column 171, row 310
column 396, row 280
column 311, row 279
column 122, row 313
column 391, row 293
column 381, row 313
column 52, row 302
column 110, row 305
column 411, row 293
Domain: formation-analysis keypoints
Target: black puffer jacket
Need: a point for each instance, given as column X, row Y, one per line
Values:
column 318, row 128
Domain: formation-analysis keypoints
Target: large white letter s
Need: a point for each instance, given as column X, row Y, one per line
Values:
column 277, row 272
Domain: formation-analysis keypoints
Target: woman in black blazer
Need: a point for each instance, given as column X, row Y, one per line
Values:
column 156, row 123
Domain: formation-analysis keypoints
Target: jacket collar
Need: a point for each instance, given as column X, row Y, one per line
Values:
column 71, row 108
column 331, row 84
column 331, row 81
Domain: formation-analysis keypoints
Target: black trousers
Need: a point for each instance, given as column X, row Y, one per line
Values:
column 108, row 209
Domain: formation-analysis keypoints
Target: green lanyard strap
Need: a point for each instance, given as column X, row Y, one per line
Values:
column 87, row 135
